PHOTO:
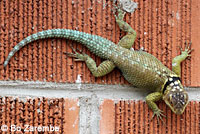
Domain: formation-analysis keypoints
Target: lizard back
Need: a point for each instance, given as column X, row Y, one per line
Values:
column 143, row 66
column 141, row 69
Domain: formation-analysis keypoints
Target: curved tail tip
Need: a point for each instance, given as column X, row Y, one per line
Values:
column 5, row 64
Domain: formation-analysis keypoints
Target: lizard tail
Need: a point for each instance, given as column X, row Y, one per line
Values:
column 94, row 43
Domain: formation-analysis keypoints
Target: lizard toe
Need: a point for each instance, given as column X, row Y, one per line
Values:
column 159, row 115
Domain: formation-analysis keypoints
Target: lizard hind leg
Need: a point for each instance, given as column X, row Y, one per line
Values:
column 128, row 40
column 104, row 68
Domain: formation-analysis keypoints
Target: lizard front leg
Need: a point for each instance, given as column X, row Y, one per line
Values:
column 176, row 62
column 150, row 100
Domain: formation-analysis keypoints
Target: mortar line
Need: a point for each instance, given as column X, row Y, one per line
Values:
column 60, row 90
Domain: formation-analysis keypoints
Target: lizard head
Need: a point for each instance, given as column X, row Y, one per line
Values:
column 175, row 96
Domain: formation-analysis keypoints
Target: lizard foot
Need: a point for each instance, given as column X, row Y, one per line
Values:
column 125, row 5
column 187, row 50
column 78, row 56
column 159, row 114
column 117, row 11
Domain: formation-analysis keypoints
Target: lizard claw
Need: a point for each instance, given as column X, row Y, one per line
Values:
column 75, row 54
column 125, row 5
column 159, row 114
column 117, row 9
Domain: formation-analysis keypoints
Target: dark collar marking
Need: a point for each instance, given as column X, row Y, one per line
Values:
column 169, row 82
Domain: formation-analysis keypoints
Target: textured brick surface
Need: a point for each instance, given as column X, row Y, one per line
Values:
column 162, row 26
column 59, row 113
column 123, row 117
column 134, row 117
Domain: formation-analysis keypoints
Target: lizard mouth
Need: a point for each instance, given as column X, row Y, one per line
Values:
column 178, row 111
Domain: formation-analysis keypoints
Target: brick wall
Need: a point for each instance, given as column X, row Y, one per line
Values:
column 162, row 27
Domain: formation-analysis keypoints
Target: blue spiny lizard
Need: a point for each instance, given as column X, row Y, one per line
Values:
column 139, row 68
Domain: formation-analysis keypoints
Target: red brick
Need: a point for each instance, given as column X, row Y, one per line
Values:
column 37, row 112
column 107, row 122
column 195, row 29
column 71, row 116
column 134, row 117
